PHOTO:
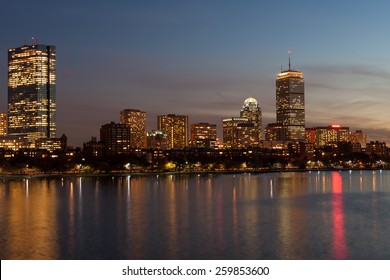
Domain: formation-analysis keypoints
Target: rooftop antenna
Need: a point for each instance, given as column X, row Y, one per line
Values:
column 289, row 60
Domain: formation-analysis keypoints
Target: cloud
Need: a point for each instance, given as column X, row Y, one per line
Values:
column 342, row 70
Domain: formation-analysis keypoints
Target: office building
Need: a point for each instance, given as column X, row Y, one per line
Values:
column 3, row 124
column 251, row 110
column 310, row 134
column 204, row 135
column 32, row 92
column 290, row 105
column 13, row 142
column 136, row 122
column 275, row 132
column 331, row 134
column 116, row 138
column 49, row 144
column 176, row 128
column 376, row 148
column 238, row 133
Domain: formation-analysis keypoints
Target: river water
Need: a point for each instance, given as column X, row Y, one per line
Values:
column 293, row 215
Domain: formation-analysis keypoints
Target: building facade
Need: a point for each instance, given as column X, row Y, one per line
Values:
column 251, row 110
column 176, row 128
column 275, row 132
column 376, row 148
column 290, row 105
column 49, row 144
column 359, row 137
column 32, row 91
column 116, row 138
column 136, row 122
column 93, row 148
column 310, row 134
column 13, row 142
column 331, row 134
column 204, row 135
column 238, row 133
column 157, row 140
column 3, row 124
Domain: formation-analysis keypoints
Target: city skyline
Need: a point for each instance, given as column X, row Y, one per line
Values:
column 203, row 59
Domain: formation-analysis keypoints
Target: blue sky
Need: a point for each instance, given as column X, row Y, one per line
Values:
column 204, row 58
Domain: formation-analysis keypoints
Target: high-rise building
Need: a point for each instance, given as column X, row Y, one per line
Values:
column 275, row 132
column 290, row 104
column 238, row 132
column 3, row 124
column 310, row 134
column 204, row 135
column 331, row 134
column 136, row 122
column 32, row 91
column 176, row 128
column 116, row 138
column 251, row 110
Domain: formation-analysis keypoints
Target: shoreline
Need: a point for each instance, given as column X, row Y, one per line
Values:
column 154, row 173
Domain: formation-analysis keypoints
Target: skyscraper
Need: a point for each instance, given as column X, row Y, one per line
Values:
column 290, row 105
column 136, row 122
column 238, row 132
column 3, row 124
column 176, row 128
column 252, row 112
column 32, row 91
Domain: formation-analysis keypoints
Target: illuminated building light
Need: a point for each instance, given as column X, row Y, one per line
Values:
column 176, row 129
column 136, row 122
column 32, row 91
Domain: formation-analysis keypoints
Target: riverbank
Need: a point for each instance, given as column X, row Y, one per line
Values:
column 159, row 173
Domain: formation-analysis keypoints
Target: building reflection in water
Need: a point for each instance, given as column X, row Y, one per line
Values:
column 258, row 216
column 339, row 244
column 29, row 227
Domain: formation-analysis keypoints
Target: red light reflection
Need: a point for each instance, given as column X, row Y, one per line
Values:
column 339, row 244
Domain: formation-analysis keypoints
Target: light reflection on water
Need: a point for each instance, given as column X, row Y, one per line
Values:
column 312, row 215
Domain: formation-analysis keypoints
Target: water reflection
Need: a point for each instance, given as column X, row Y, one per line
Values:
column 28, row 227
column 339, row 245
column 316, row 215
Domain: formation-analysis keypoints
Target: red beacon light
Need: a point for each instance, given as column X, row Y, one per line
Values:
column 335, row 126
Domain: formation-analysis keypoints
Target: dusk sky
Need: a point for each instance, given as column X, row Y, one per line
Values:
column 204, row 58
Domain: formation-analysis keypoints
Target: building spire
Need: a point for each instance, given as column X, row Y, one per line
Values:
column 289, row 60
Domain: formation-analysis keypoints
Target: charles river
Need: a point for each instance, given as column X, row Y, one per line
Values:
column 292, row 215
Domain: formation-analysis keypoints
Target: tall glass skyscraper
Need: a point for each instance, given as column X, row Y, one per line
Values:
column 290, row 105
column 136, row 121
column 176, row 128
column 252, row 111
column 32, row 91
